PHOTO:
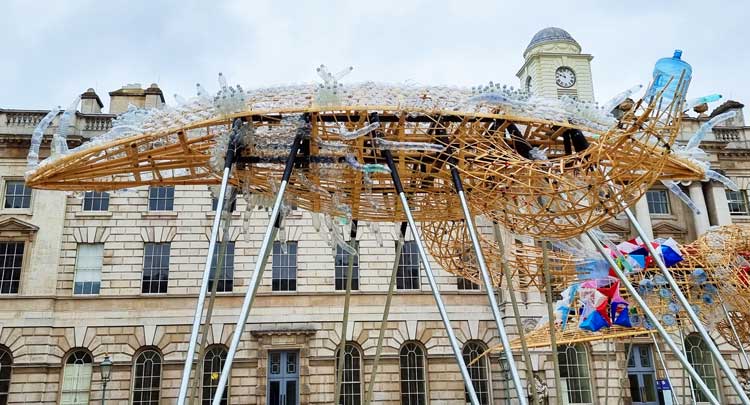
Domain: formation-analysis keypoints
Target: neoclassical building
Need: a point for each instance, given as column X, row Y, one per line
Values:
column 117, row 274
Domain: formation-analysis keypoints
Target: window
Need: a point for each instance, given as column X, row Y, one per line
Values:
column 6, row 366
column 479, row 371
column 701, row 360
column 407, row 277
column 658, row 202
column 342, row 267
column 284, row 267
column 737, row 201
column 76, row 385
column 641, row 374
column 574, row 371
column 466, row 284
column 147, row 378
column 88, row 278
column 95, row 201
column 11, row 262
column 215, row 202
column 155, row 268
column 226, row 276
column 213, row 362
column 161, row 198
column 17, row 195
column 411, row 362
column 351, row 387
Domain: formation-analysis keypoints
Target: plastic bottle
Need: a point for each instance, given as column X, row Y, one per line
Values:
column 667, row 69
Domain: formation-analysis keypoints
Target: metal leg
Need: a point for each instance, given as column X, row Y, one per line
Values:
column 431, row 279
column 551, row 317
column 488, row 285
column 666, row 370
column 734, row 332
column 386, row 312
column 691, row 314
column 229, row 161
column 654, row 320
column 345, row 320
column 516, row 313
column 260, row 266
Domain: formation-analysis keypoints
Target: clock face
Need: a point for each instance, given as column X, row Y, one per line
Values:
column 565, row 77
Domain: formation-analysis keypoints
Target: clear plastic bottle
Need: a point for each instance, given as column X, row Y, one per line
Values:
column 667, row 69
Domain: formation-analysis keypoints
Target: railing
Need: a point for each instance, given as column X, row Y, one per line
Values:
column 23, row 118
column 727, row 135
column 98, row 123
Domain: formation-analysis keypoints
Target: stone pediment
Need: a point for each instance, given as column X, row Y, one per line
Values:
column 667, row 228
column 615, row 229
column 11, row 224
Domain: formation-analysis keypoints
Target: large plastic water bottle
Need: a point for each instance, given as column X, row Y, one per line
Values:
column 667, row 69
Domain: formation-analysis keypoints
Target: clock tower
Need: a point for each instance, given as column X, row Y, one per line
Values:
column 554, row 66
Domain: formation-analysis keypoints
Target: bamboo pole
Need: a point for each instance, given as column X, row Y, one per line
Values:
column 345, row 320
column 551, row 316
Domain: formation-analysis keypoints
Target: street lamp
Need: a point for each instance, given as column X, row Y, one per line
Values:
column 106, row 370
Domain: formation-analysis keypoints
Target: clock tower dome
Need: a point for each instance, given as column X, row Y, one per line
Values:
column 554, row 66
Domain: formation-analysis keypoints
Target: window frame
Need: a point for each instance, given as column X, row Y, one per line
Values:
column 566, row 366
column 462, row 282
column 6, row 363
column 66, row 361
column 278, row 267
column 714, row 381
column 21, row 268
column 667, row 202
column 359, row 373
column 153, row 201
column 226, row 265
column 339, row 283
column 743, row 202
column 134, row 377
column 407, row 282
column 425, row 379
column 226, row 397
column 152, row 269
column 77, row 268
column 28, row 209
column 478, row 347
column 102, row 197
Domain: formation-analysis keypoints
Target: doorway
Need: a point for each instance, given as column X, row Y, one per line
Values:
column 283, row 377
column 642, row 376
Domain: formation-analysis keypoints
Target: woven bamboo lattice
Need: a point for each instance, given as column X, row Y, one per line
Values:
column 741, row 323
column 561, row 196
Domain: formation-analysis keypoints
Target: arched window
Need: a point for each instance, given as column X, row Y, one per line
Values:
column 351, row 386
column 703, row 363
column 412, row 364
column 6, row 364
column 574, row 373
column 76, row 385
column 479, row 371
column 147, row 378
column 213, row 362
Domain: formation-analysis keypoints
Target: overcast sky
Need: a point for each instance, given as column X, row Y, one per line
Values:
column 53, row 50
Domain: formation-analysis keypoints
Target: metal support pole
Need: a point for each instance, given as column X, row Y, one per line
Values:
column 666, row 370
column 345, row 320
column 654, row 320
column 627, row 360
column 489, row 287
column 104, row 391
column 516, row 313
column 551, row 317
column 734, row 332
column 226, row 222
column 234, row 145
column 431, row 279
column 386, row 312
column 260, row 265
column 686, row 305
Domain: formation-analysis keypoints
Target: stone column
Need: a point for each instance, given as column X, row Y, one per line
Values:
column 718, row 208
column 644, row 217
column 699, row 219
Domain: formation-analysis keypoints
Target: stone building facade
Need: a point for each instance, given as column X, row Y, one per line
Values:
column 117, row 275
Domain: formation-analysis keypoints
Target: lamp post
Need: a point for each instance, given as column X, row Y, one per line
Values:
column 106, row 370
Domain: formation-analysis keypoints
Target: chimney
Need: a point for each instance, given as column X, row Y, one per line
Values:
column 730, row 105
column 91, row 103
column 132, row 93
